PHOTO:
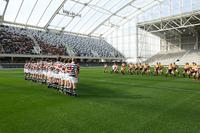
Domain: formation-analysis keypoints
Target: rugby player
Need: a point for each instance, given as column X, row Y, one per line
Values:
column 160, row 69
column 105, row 68
column 156, row 69
column 169, row 70
column 175, row 69
column 146, row 69
column 186, row 70
column 130, row 68
column 194, row 70
column 123, row 68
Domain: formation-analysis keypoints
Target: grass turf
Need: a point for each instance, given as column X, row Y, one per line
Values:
column 106, row 103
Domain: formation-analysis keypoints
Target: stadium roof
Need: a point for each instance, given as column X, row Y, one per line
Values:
column 90, row 17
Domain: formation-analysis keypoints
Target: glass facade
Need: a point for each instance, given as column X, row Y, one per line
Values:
column 125, row 38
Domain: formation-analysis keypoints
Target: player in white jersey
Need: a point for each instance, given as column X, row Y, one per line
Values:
column 63, row 76
column 73, row 77
column 66, row 78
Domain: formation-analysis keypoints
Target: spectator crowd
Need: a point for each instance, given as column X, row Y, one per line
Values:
column 18, row 40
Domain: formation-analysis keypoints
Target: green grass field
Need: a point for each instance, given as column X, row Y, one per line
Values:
column 107, row 103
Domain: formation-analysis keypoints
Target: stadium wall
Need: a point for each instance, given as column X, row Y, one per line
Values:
column 181, row 42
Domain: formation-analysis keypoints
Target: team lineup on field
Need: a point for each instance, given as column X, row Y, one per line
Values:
column 191, row 71
column 64, row 75
column 60, row 75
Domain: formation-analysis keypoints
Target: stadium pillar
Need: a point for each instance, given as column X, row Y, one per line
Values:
column 179, row 41
column 137, row 43
column 197, row 40
column 12, row 59
column 163, row 43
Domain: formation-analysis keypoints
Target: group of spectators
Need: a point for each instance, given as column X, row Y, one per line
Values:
column 12, row 43
column 47, row 49
column 53, row 43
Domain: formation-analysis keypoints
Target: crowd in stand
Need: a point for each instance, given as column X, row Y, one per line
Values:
column 47, row 49
column 1, row 49
column 55, row 43
column 12, row 43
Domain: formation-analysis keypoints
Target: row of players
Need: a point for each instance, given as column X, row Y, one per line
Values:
column 60, row 75
column 192, row 70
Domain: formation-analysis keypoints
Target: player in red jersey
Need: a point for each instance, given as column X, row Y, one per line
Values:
column 123, row 68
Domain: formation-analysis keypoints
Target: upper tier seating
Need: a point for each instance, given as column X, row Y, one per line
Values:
column 63, row 44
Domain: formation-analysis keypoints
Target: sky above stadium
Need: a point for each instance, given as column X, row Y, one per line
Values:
column 92, row 17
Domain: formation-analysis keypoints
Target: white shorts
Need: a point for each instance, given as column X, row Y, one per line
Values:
column 57, row 76
column 25, row 71
column 66, row 76
column 51, row 74
column 62, row 76
column 73, row 79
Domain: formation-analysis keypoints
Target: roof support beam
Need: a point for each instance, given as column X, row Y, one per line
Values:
column 83, row 15
column 103, row 9
column 41, row 28
column 97, row 27
column 85, row 5
column 80, row 2
column 64, row 16
column 32, row 11
column 4, row 12
column 55, row 13
column 196, row 17
column 44, row 12
column 175, row 28
column 23, row 25
column 99, row 17
column 184, row 15
column 19, row 10
column 136, row 13
column 175, row 23
column 188, row 20
column 164, row 26
column 186, row 26
column 156, row 26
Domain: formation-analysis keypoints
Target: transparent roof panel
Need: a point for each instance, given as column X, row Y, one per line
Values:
column 72, row 24
column 170, row 8
column 80, row 16
column 114, row 21
column 196, row 5
column 25, row 11
column 102, row 29
column 84, row 1
column 49, row 12
column 127, row 11
column 38, row 11
column 94, row 23
column 64, row 21
column 89, row 14
column 12, row 10
column 2, row 7
column 140, row 3
column 69, row 5
column 118, row 4
column 85, row 17
column 56, row 20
